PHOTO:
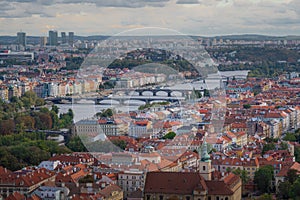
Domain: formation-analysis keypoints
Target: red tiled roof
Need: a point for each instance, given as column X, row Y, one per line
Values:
column 34, row 197
column 218, row 188
column 16, row 196
column 107, row 191
column 174, row 182
column 239, row 125
column 25, row 179
column 231, row 179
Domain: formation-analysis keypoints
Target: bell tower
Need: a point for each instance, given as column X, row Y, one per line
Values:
column 205, row 168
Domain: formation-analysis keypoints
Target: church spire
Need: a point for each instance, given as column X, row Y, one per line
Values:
column 203, row 151
column 205, row 168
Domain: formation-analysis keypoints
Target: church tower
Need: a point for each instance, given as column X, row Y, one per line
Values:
column 205, row 168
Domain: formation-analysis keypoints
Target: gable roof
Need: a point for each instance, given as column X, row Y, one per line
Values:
column 174, row 183
column 218, row 188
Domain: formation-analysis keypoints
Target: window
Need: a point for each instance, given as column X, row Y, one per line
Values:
column 226, row 198
column 217, row 198
column 161, row 197
column 148, row 197
column 187, row 198
column 204, row 168
column 209, row 198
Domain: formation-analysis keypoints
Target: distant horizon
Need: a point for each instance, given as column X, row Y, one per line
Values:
column 193, row 35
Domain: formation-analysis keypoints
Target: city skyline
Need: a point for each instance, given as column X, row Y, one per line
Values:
column 193, row 17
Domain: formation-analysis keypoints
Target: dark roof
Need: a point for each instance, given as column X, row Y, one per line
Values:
column 174, row 182
column 218, row 188
column 136, row 194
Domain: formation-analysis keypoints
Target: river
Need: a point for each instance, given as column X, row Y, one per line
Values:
column 83, row 111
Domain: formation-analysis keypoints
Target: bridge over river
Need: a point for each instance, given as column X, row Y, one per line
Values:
column 129, row 95
column 114, row 99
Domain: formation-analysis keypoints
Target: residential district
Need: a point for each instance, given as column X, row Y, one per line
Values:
column 164, row 150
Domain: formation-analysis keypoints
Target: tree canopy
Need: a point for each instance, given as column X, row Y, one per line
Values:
column 263, row 178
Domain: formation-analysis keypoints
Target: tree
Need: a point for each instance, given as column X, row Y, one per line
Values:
column 87, row 179
column 242, row 174
column 66, row 119
column 263, row 178
column 75, row 144
column 8, row 161
column 55, row 109
column 291, row 176
column 105, row 113
column 7, row 127
column 169, row 135
column 265, row 197
column 284, row 190
column 246, row 106
column 284, row 146
column 196, row 94
column 120, row 143
column 39, row 102
column 70, row 113
column 43, row 121
column 228, row 169
column 26, row 120
column 206, row 93
column 295, row 190
column 29, row 99
column 268, row 147
column 290, row 137
column 297, row 154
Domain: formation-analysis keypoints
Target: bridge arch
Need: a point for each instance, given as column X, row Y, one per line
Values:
column 146, row 93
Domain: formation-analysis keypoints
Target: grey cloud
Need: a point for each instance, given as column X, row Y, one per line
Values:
column 188, row 2
column 118, row 3
column 283, row 21
column 294, row 5
column 99, row 3
column 22, row 1
column 4, row 6
column 22, row 8
column 131, row 3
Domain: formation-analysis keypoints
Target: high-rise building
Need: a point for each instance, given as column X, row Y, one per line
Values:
column 53, row 38
column 71, row 38
column 63, row 38
column 21, row 37
column 43, row 41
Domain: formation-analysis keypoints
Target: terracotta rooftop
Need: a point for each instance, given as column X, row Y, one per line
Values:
column 218, row 188
column 107, row 191
column 16, row 196
column 174, row 182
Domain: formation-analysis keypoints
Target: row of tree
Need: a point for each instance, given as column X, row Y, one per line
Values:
column 290, row 188
column 16, row 105
column 27, row 149
column 44, row 119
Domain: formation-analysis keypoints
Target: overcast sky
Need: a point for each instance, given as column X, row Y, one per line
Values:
column 109, row 17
